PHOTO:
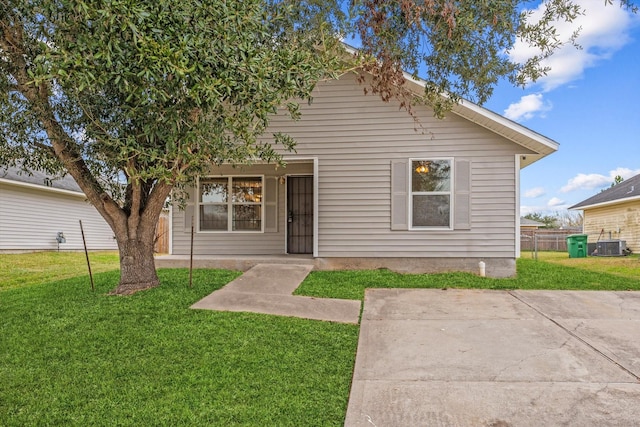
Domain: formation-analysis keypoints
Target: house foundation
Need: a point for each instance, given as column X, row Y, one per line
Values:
column 494, row 267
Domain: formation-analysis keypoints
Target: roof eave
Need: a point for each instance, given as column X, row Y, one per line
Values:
column 42, row 187
column 523, row 136
column 604, row 204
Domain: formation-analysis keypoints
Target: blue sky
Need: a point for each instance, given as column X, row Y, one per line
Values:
column 588, row 103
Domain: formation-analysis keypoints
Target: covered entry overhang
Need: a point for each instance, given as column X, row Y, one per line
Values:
column 259, row 209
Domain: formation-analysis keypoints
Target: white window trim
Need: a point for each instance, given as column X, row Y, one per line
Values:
column 316, row 181
column 450, row 193
column 230, row 205
column 517, row 230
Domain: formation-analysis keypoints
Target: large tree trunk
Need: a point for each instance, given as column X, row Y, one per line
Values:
column 135, row 234
column 137, row 267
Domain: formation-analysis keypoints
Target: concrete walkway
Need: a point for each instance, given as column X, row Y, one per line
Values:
column 267, row 288
column 496, row 358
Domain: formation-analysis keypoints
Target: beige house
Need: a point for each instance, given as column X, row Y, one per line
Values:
column 364, row 189
column 614, row 214
column 35, row 208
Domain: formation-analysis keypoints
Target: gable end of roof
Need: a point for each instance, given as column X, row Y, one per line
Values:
column 500, row 125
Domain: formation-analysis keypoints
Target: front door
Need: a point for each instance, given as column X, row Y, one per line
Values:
column 300, row 214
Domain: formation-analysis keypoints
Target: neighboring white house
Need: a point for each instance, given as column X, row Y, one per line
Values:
column 364, row 189
column 35, row 208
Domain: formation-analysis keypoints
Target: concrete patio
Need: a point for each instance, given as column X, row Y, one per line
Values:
column 496, row 358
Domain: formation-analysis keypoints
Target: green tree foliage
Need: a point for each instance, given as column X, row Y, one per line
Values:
column 458, row 47
column 564, row 219
column 570, row 219
column 148, row 94
column 616, row 180
column 133, row 98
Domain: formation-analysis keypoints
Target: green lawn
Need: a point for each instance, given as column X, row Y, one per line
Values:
column 553, row 273
column 41, row 267
column 626, row 266
column 72, row 357
column 69, row 356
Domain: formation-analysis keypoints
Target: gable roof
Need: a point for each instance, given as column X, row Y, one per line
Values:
column 15, row 175
column 626, row 191
column 515, row 132
column 530, row 222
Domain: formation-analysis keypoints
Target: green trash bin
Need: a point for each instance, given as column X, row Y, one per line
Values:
column 577, row 245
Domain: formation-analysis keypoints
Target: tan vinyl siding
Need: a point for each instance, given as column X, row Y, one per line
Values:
column 619, row 221
column 355, row 138
column 30, row 219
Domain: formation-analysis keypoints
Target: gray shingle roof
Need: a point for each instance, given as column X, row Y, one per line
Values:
column 629, row 188
column 40, row 178
column 530, row 222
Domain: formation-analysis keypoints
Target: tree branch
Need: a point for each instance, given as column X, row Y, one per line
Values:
column 62, row 146
column 136, row 196
column 154, row 206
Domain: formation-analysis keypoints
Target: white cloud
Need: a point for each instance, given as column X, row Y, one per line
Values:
column 540, row 209
column 625, row 173
column 553, row 207
column 603, row 31
column 593, row 180
column 527, row 107
column 555, row 202
column 526, row 210
column 534, row 192
column 585, row 182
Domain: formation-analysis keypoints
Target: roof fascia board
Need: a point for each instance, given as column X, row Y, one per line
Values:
column 542, row 145
column 607, row 203
column 464, row 107
column 503, row 121
column 42, row 187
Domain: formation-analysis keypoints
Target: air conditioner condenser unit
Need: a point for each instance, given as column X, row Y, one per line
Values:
column 611, row 247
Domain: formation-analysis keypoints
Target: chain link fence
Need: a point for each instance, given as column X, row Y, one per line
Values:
column 545, row 240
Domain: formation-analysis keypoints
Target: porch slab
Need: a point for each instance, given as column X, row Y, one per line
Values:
column 267, row 288
column 230, row 262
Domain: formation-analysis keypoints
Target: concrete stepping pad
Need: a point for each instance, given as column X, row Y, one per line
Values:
column 267, row 289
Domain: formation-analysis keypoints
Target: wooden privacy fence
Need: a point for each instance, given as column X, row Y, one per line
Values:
column 162, row 234
column 547, row 240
